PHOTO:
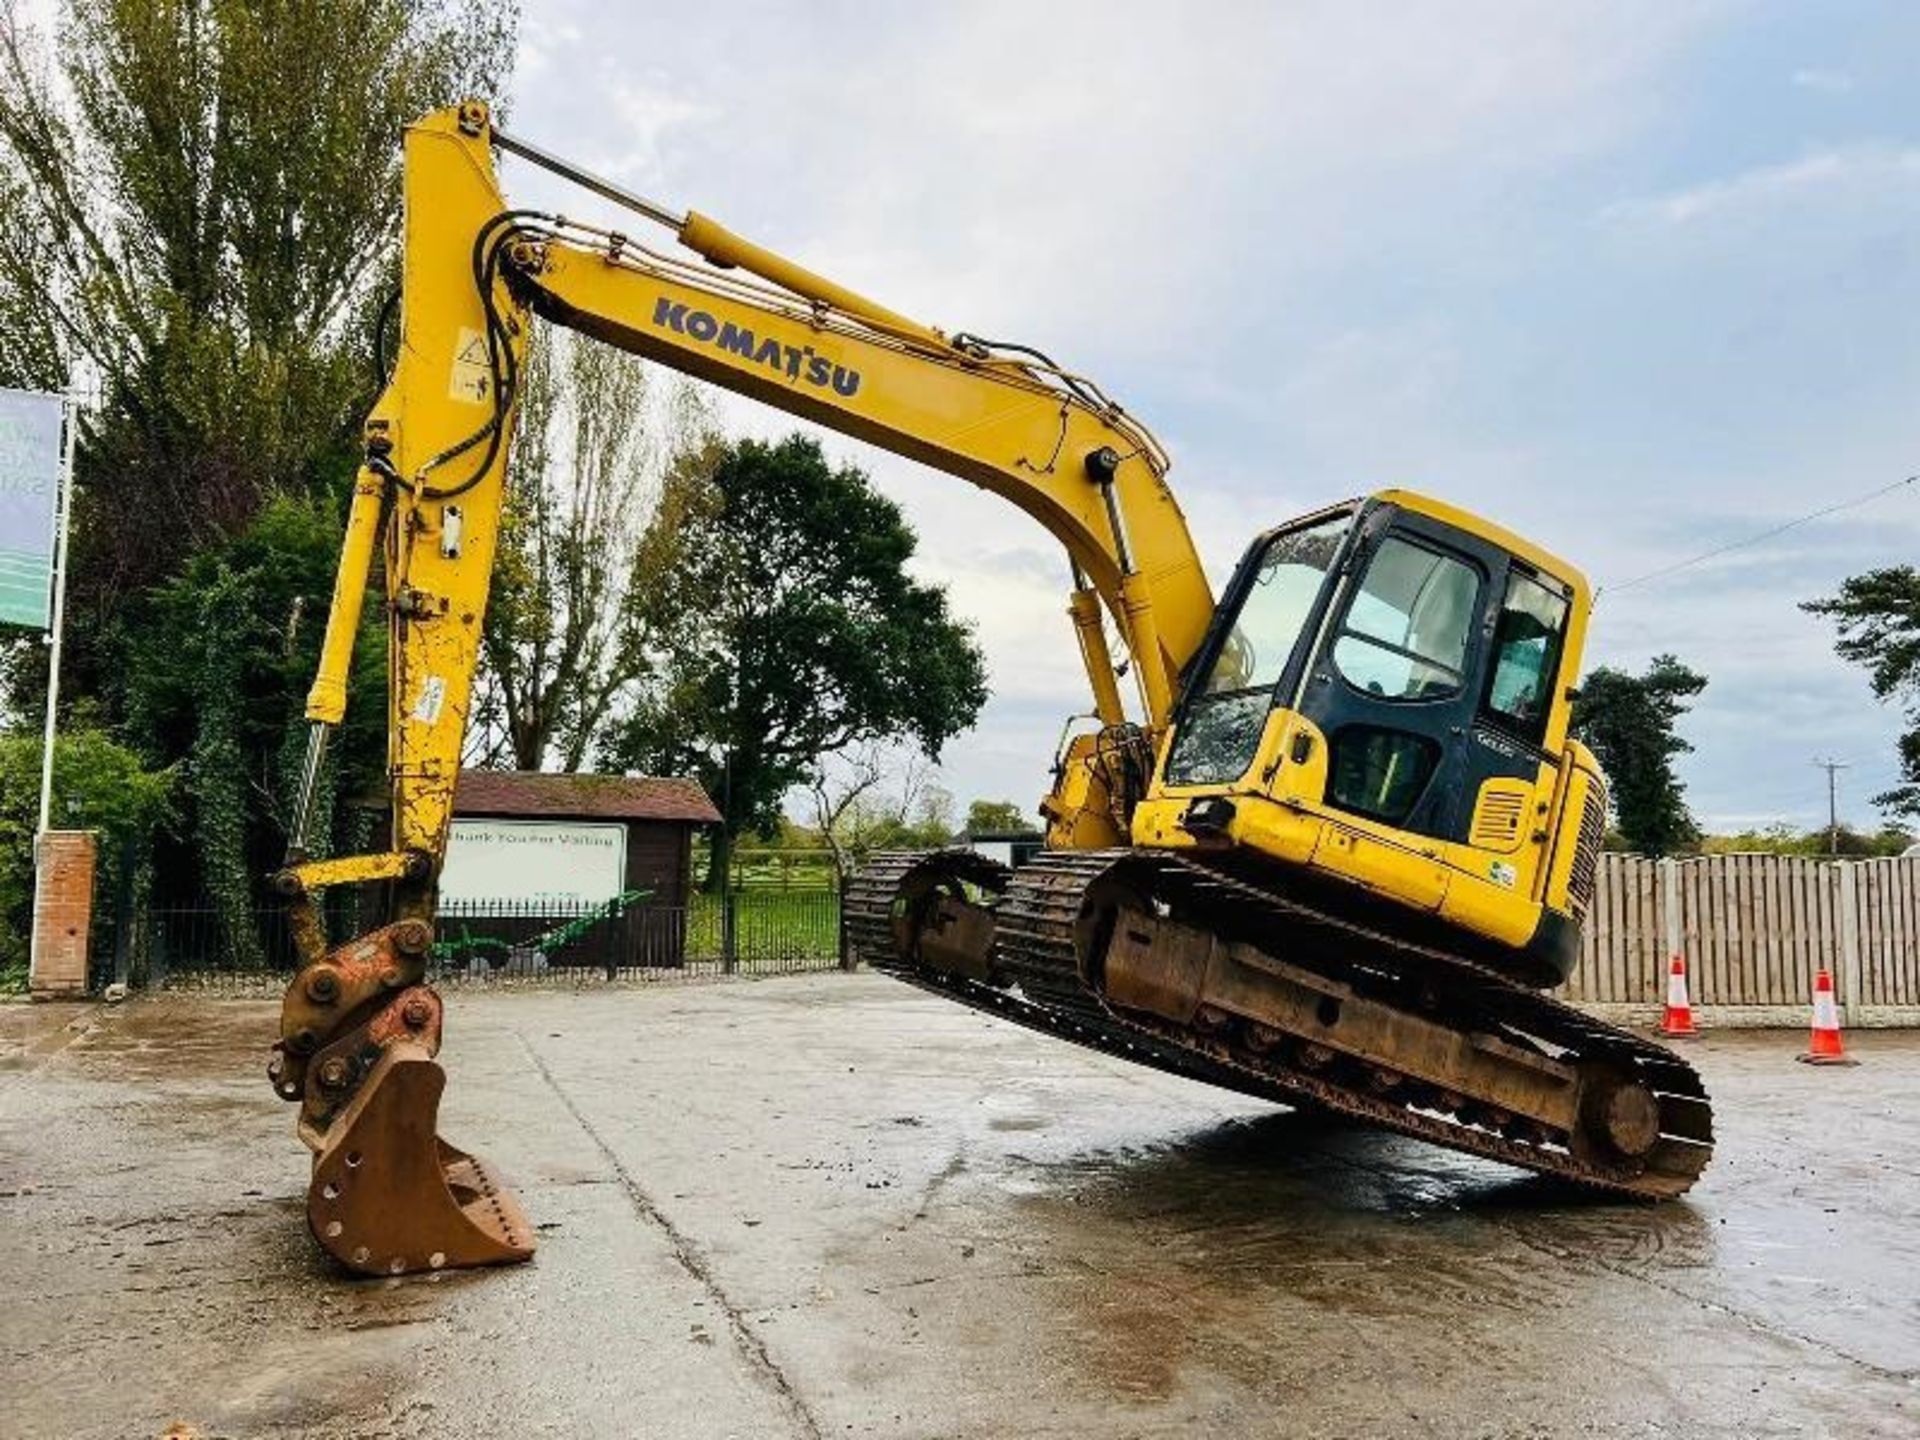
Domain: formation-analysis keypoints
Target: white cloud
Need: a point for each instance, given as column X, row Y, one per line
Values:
column 1827, row 82
column 1105, row 195
column 1857, row 169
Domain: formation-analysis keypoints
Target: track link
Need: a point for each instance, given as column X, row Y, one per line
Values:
column 1037, row 982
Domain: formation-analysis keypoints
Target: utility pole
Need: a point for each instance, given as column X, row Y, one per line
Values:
column 1833, row 769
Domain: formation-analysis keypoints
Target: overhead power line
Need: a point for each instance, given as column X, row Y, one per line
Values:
column 1750, row 540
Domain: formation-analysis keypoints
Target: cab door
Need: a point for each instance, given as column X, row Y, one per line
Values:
column 1508, row 773
column 1392, row 686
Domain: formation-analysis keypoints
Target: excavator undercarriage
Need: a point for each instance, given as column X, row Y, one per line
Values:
column 1169, row 963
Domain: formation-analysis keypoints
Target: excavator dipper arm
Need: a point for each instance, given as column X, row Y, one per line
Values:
column 359, row 1026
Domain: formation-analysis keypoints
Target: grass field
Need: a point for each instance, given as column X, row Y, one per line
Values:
column 771, row 925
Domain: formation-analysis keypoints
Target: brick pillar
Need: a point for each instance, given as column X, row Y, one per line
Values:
column 62, row 914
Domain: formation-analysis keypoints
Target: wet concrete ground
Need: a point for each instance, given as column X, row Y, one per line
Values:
column 832, row 1206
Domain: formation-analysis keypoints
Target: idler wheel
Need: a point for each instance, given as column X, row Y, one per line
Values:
column 1623, row 1115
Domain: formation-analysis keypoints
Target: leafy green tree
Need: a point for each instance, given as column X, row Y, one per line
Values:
column 986, row 817
column 1631, row 721
column 924, row 822
column 787, row 629
column 1782, row 839
column 209, row 239
column 217, row 662
column 98, row 784
column 199, row 207
column 1878, row 617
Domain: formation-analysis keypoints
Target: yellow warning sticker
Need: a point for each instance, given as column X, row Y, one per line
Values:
column 472, row 375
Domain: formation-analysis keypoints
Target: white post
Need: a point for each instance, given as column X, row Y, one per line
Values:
column 1670, row 910
column 1846, row 874
column 63, row 506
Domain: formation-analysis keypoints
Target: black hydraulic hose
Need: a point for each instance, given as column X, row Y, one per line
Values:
column 382, row 363
column 502, row 368
column 1012, row 347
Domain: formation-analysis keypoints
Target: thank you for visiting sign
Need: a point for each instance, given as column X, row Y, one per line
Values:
column 29, row 490
column 533, row 862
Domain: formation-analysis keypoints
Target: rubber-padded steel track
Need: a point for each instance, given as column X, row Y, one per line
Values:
column 1040, row 986
column 893, row 880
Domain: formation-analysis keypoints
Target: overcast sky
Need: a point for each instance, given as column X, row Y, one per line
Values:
column 1633, row 279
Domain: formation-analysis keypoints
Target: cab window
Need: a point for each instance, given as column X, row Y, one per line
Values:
column 1275, row 610
column 1409, row 624
column 1526, row 657
column 1227, row 705
column 1380, row 773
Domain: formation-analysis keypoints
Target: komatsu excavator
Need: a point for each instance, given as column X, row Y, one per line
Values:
column 1334, row 857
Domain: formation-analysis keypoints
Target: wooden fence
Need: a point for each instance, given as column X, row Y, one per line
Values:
column 1754, row 929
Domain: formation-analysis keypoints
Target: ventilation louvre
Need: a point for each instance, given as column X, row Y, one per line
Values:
column 1586, row 854
column 1498, row 818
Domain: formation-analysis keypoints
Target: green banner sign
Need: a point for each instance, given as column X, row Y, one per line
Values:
column 29, row 492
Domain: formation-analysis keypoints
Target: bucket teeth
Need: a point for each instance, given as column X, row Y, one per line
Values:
column 389, row 1197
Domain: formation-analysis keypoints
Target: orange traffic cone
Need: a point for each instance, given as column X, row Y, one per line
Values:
column 1678, row 1021
column 1825, row 1047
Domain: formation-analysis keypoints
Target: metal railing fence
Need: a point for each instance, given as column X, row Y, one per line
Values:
column 1753, row 928
column 747, row 932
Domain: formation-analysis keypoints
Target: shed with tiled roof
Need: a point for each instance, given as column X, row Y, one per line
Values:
column 658, row 812
column 541, row 828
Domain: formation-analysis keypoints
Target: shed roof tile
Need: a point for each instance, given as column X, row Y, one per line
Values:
column 532, row 794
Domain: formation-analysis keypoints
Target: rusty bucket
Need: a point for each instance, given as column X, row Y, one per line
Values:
column 388, row 1196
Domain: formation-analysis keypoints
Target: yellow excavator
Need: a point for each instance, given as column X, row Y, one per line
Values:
column 1334, row 855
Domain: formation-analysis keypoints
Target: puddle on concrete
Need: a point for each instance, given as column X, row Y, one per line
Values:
column 1015, row 1124
column 1283, row 1222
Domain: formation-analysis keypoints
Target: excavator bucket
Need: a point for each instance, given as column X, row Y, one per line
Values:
column 388, row 1196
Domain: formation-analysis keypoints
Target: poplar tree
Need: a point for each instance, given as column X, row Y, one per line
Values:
column 596, row 431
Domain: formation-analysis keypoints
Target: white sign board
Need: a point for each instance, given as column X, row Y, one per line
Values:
column 526, row 862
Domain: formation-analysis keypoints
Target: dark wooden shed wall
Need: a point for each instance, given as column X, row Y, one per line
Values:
column 660, row 860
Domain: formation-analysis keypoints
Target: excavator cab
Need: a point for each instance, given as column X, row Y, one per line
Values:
column 1380, row 703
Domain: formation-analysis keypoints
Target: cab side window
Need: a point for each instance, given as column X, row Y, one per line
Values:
column 1526, row 657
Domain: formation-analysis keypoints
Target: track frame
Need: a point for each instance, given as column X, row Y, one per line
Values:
column 1164, row 962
